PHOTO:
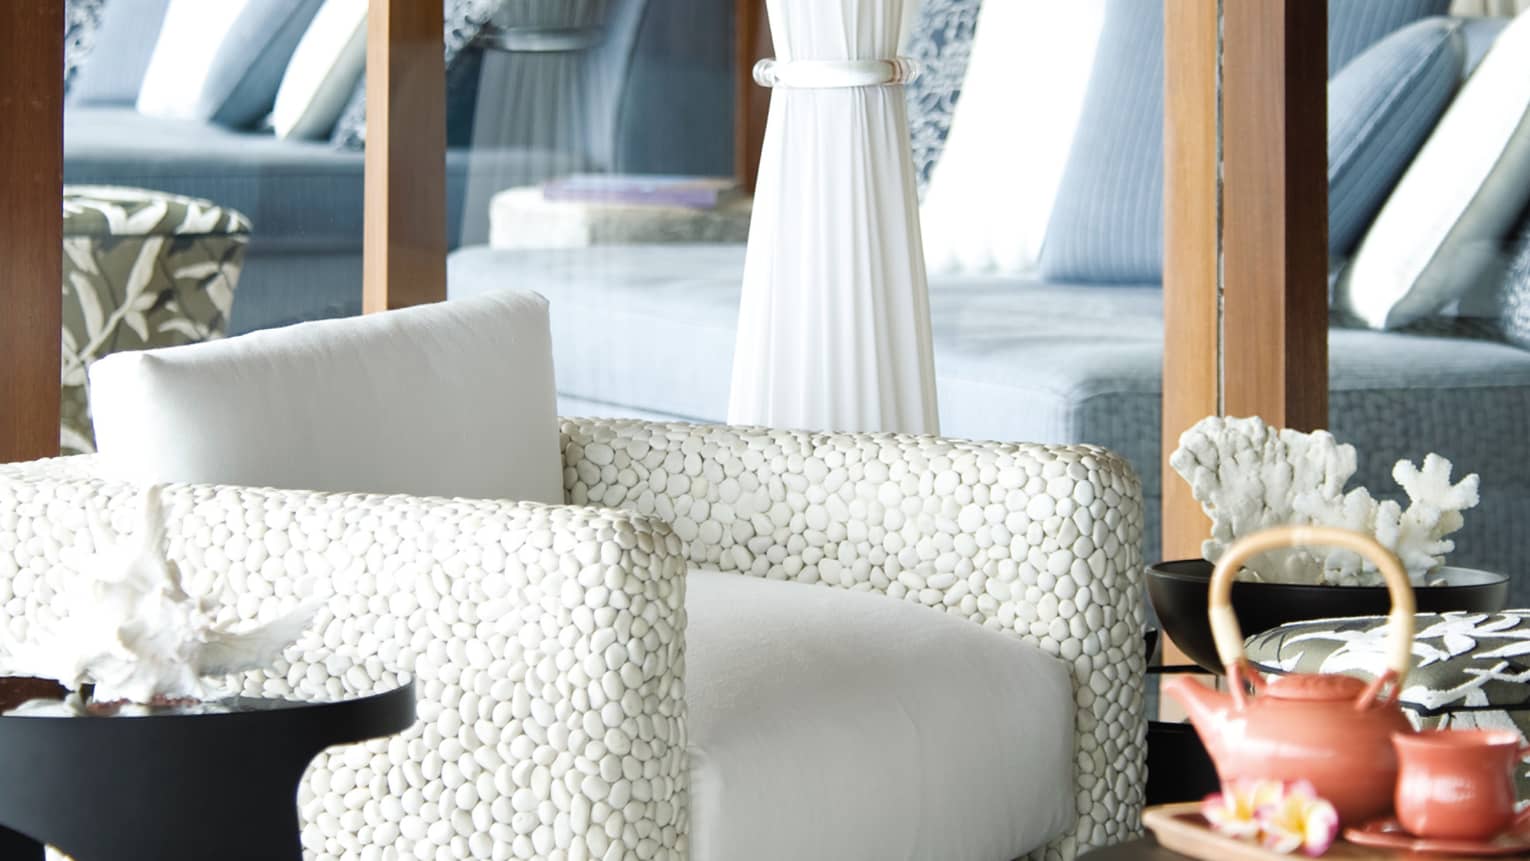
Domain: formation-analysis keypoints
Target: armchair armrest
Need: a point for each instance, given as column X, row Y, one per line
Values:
column 1037, row 542
column 546, row 643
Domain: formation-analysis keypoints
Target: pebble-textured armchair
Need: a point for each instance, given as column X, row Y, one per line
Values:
column 548, row 641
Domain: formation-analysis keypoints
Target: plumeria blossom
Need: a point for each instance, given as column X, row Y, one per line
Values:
column 1299, row 820
column 1284, row 817
column 1235, row 810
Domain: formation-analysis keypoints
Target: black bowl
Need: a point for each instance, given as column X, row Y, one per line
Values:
column 1178, row 591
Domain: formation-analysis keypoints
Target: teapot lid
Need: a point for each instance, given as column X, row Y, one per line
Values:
column 1315, row 686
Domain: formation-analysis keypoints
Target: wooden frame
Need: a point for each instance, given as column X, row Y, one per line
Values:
column 1245, row 229
column 1245, row 263
column 1275, row 212
column 404, row 256
column 31, row 226
column 1192, row 387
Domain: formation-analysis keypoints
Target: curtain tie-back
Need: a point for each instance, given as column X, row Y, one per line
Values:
column 833, row 74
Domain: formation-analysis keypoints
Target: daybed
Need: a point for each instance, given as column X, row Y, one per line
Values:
column 649, row 330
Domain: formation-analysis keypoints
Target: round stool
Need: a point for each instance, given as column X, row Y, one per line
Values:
column 141, row 269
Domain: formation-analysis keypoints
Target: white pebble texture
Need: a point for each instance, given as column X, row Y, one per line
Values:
column 547, row 642
column 1039, row 542
column 506, row 615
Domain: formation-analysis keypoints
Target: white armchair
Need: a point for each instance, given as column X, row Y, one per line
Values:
column 1036, row 542
column 549, row 642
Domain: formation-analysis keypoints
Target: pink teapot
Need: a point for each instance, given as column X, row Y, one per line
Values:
column 1334, row 731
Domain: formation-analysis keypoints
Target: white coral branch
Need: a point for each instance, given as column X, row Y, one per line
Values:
column 1249, row 476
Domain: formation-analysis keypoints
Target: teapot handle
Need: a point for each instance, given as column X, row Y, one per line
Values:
column 1228, row 635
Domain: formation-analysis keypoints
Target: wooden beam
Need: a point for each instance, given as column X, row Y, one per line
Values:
column 1245, row 292
column 405, row 236
column 751, row 102
column 1275, row 212
column 31, row 225
column 1245, row 263
column 1191, row 372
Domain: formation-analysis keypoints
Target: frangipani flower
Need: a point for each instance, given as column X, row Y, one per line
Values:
column 1299, row 820
column 1235, row 810
column 1282, row 816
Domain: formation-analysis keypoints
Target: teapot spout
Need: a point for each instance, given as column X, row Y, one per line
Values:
column 1203, row 704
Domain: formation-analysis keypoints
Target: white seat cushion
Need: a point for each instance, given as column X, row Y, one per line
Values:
column 833, row 724
column 452, row 399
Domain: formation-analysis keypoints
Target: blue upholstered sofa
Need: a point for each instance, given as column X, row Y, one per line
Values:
column 649, row 331
column 304, row 198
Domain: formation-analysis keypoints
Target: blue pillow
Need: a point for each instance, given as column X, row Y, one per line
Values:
column 1107, row 221
column 1107, row 224
column 1354, row 25
column 1381, row 107
column 123, row 44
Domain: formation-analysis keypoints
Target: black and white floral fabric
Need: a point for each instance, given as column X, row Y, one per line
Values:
column 82, row 18
column 1469, row 669
column 142, row 269
column 942, row 43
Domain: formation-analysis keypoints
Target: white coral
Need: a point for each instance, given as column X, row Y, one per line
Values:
column 1249, row 476
column 129, row 627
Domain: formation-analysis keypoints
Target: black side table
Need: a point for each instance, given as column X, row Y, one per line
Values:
column 1179, row 769
column 174, row 784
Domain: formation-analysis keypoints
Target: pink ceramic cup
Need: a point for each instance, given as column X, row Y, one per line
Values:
column 1458, row 784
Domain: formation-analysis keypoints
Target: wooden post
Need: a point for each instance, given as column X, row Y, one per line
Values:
column 1275, row 212
column 1192, row 386
column 1245, row 296
column 405, row 245
column 1245, row 264
column 31, row 225
column 752, row 43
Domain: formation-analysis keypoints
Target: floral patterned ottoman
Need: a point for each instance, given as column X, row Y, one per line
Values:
column 1469, row 669
column 141, row 269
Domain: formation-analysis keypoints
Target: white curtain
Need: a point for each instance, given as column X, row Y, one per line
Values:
column 834, row 323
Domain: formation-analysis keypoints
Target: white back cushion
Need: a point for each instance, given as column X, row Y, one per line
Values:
column 453, row 399
column 1440, row 232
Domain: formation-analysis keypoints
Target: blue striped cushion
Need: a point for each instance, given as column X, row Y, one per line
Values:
column 1107, row 224
column 1354, row 25
column 1381, row 107
column 1107, row 221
